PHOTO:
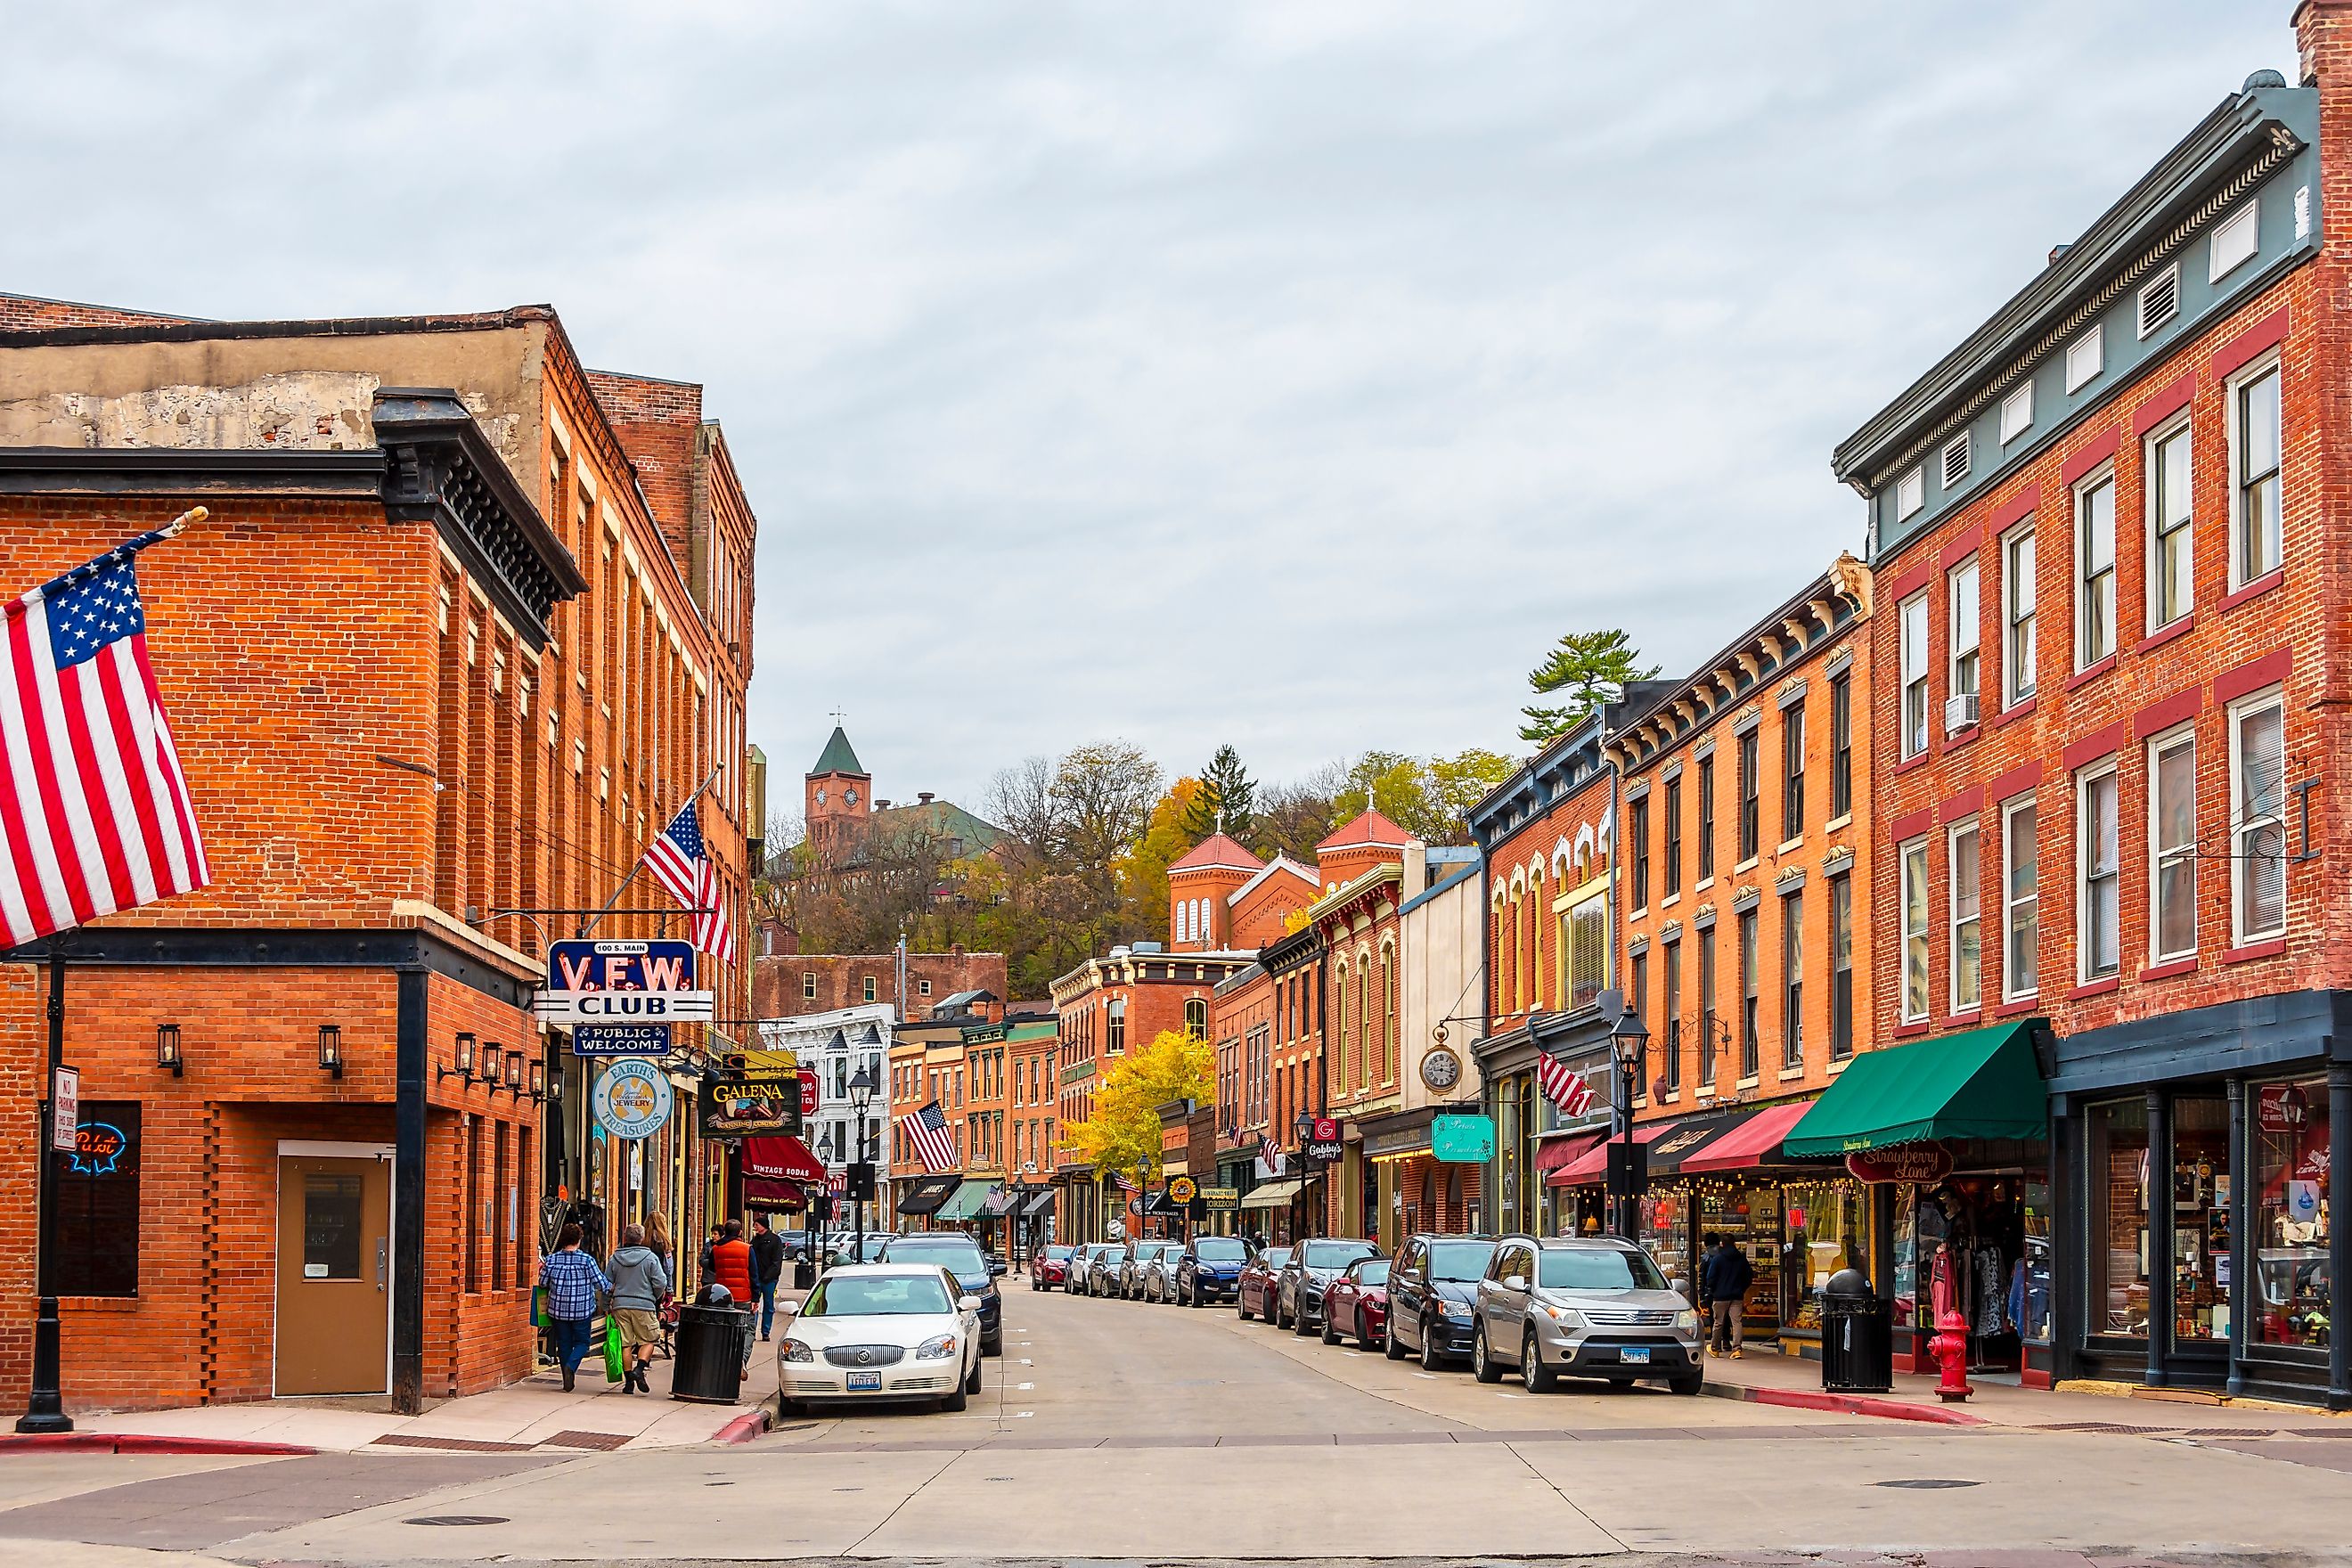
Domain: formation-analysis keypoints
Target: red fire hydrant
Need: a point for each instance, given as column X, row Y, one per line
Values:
column 1950, row 1349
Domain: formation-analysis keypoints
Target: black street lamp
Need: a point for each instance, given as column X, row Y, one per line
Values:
column 861, row 1091
column 1631, row 1042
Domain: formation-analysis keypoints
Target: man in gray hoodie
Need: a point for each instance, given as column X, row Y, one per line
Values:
column 640, row 1285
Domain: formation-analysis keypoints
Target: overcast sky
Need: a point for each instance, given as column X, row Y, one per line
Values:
column 1286, row 375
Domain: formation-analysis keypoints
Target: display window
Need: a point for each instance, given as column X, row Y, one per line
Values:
column 1667, row 1236
column 2116, row 1175
column 1827, row 1226
column 2287, row 1126
column 1750, row 1216
column 2200, row 1219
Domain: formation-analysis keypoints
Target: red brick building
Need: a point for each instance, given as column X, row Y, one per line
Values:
column 2108, row 717
column 785, row 984
column 1222, row 899
column 432, row 661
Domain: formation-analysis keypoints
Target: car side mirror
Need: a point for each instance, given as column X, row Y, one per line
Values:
column 996, row 1267
column 1517, row 1284
column 788, row 1308
column 967, row 1303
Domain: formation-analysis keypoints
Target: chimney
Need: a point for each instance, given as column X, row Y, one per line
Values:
column 924, row 795
column 881, row 805
column 1416, row 870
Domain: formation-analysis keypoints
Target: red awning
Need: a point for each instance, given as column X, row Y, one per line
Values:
column 1754, row 1142
column 764, row 1193
column 1554, row 1152
column 1593, row 1164
column 782, row 1158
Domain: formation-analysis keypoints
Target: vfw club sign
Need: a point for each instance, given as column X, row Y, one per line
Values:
column 621, row 982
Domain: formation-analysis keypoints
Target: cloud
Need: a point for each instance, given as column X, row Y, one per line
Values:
column 1288, row 374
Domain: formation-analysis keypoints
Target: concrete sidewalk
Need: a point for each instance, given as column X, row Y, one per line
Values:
column 1766, row 1377
column 532, row 1415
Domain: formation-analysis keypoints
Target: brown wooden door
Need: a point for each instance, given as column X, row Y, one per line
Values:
column 334, row 1274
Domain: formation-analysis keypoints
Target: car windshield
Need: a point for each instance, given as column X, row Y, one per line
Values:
column 959, row 1253
column 1218, row 1249
column 1374, row 1272
column 1057, row 1254
column 1597, row 1268
column 1335, row 1254
column 1459, row 1260
column 1163, row 1248
column 880, row 1296
column 1274, row 1257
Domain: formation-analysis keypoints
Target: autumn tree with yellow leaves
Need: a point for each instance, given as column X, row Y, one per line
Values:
column 1123, row 1135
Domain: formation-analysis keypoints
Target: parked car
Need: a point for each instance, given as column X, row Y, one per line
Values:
column 879, row 1331
column 1209, row 1270
column 973, row 1270
column 1138, row 1254
column 1159, row 1273
column 1049, row 1266
column 1311, row 1267
column 1433, row 1290
column 845, row 1251
column 1357, row 1303
column 1102, row 1269
column 1253, row 1287
column 1582, row 1306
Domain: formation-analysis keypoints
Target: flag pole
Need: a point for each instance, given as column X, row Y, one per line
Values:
column 179, row 524
column 586, row 930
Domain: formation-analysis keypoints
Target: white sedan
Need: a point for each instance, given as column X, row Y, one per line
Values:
column 880, row 1331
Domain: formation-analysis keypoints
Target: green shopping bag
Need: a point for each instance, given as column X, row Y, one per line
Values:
column 611, row 1347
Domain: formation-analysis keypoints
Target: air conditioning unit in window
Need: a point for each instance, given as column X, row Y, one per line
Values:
column 1960, row 713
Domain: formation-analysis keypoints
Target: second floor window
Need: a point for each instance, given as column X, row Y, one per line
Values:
column 1749, row 984
column 1674, row 852
column 1792, row 980
column 2172, row 594
column 2098, row 876
column 1793, row 772
column 1968, row 972
column 2255, row 507
column 1914, row 869
column 1707, row 1024
column 1641, row 992
column 1674, row 1041
column 1705, row 818
column 1639, row 825
column 2020, row 900
column 1841, row 745
column 1912, row 628
column 1841, row 966
column 2172, row 848
column 2017, row 597
column 1750, row 785
column 2094, row 572
column 1588, row 950
column 1115, row 1028
column 2258, row 801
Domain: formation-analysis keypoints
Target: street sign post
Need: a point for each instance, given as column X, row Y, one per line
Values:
column 65, row 1104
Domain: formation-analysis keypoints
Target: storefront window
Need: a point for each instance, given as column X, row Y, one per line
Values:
column 2292, row 1215
column 1828, row 1228
column 2116, row 1175
column 1665, row 1236
column 2200, row 1218
column 1904, row 1283
column 2029, row 1305
column 1751, row 1217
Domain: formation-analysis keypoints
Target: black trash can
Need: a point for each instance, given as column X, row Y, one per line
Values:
column 1857, row 1336
column 708, row 1363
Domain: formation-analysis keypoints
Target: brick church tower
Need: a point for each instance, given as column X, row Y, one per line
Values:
column 836, row 795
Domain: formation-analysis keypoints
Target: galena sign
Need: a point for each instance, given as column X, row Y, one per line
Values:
column 621, row 982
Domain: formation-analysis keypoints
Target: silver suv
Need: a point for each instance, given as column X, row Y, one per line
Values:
column 1582, row 1308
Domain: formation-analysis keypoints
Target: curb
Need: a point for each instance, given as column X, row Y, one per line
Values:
column 744, row 1428
column 1845, row 1403
column 133, row 1443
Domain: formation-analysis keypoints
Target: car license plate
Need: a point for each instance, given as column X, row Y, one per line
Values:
column 1635, row 1356
column 871, row 1381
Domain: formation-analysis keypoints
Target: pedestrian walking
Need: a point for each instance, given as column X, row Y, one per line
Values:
column 718, row 1234
column 1724, row 1280
column 574, row 1285
column 767, row 1269
column 657, row 1238
column 639, row 1286
column 731, row 1262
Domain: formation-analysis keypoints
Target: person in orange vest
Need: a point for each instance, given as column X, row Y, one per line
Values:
column 730, row 1263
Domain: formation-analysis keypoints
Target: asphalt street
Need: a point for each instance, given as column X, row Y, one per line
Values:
column 1111, row 1430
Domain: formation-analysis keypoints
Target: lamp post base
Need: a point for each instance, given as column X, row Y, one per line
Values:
column 45, row 1409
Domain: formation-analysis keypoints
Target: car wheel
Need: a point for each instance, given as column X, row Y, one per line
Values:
column 1537, row 1377
column 1430, row 1360
column 971, row 1383
column 1688, row 1382
column 1390, row 1347
column 1482, row 1365
column 989, row 1347
column 1331, row 1326
column 789, row 1409
column 957, row 1402
column 1241, row 1306
column 1299, row 1322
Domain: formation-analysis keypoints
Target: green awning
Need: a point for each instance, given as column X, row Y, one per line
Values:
column 967, row 1202
column 1981, row 1084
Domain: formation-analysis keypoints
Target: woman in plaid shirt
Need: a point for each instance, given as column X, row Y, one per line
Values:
column 575, row 1286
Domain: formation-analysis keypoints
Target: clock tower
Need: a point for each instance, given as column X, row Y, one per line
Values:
column 836, row 794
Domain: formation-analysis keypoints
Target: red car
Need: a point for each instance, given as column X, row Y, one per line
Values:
column 1050, row 1267
column 1255, row 1294
column 1357, row 1303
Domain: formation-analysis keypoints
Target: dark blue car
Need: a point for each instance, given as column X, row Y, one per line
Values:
column 977, row 1272
column 1211, row 1270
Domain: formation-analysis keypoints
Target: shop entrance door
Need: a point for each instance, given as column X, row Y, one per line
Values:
column 335, row 1273
column 2200, row 1236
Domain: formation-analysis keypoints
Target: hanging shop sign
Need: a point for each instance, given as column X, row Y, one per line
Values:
column 620, row 981
column 1459, row 1140
column 756, row 1107
column 1221, row 1200
column 620, row 1040
column 808, row 1091
column 632, row 1099
column 1324, row 1151
column 1914, row 1162
column 1182, row 1190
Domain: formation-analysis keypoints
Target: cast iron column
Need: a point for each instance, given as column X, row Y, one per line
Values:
column 2242, row 1197
column 2160, row 1238
column 45, row 1409
column 409, row 1052
column 2339, row 1242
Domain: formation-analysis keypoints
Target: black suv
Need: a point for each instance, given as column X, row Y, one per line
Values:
column 1433, row 1296
column 977, row 1272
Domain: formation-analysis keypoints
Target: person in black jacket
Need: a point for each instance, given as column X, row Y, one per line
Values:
column 1724, row 1280
column 767, row 1269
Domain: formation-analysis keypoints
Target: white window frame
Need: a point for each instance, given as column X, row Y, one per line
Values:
column 2013, row 902
column 2017, row 412
column 2236, row 239
column 1964, row 912
column 1910, row 656
column 2148, row 297
column 2151, row 466
column 1910, row 493
column 2247, row 376
column 2158, row 749
column 2090, row 348
column 2103, row 772
column 1964, row 631
column 1912, row 861
column 2242, row 829
column 2085, row 584
column 2016, row 675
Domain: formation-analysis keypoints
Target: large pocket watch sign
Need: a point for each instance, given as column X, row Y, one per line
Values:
column 632, row 1099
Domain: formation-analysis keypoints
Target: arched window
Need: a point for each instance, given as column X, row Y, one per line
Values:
column 1196, row 1018
column 1365, row 1023
column 1389, row 1028
column 1339, row 1021
column 1500, row 947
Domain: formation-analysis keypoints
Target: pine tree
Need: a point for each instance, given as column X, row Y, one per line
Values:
column 1226, row 789
column 1594, row 668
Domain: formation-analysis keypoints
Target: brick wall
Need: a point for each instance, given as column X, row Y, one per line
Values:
column 24, row 311
column 781, row 984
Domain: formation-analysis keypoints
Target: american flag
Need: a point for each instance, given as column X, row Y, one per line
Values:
column 1268, row 1154
column 679, row 863
column 94, row 811
column 1126, row 1183
column 1564, row 1088
column 926, row 1130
